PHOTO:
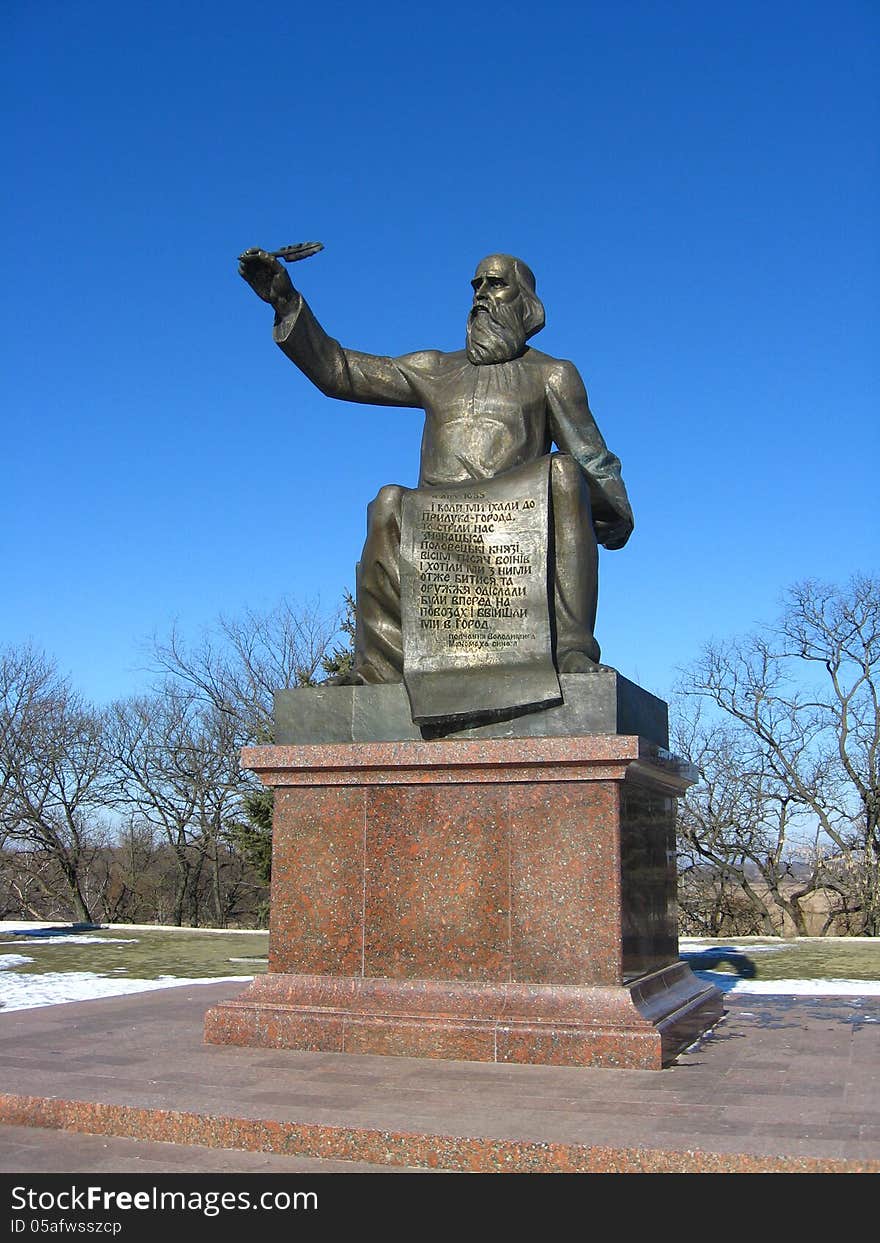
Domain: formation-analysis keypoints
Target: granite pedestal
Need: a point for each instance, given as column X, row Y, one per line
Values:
column 486, row 899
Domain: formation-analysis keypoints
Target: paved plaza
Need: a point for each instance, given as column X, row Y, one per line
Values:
column 127, row 1084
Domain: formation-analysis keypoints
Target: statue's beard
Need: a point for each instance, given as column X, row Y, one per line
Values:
column 496, row 334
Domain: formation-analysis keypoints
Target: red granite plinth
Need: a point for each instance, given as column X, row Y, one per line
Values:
column 501, row 900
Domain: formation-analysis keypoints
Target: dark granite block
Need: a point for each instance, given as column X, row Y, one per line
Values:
column 314, row 714
column 603, row 702
column 382, row 714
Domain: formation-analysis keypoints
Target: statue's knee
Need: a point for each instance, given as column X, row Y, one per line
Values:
column 386, row 506
column 567, row 479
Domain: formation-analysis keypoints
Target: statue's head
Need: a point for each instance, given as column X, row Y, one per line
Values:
column 506, row 310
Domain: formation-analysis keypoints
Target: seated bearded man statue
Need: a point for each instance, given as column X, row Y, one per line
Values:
column 495, row 407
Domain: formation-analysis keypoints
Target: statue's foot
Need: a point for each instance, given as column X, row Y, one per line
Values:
column 366, row 675
column 577, row 662
column 352, row 678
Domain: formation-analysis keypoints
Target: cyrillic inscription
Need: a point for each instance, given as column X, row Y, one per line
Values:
column 474, row 595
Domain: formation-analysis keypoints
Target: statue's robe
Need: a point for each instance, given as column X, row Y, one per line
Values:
column 480, row 422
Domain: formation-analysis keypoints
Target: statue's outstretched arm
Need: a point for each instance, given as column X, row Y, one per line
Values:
column 338, row 372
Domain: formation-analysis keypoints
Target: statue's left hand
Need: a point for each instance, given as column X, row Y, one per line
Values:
column 613, row 535
column 267, row 277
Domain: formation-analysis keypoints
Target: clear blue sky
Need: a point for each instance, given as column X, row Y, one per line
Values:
column 695, row 185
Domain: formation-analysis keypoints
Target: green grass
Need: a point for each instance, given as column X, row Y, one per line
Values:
column 814, row 958
column 146, row 955
column 151, row 953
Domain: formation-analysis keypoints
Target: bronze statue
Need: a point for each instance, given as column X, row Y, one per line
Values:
column 495, row 407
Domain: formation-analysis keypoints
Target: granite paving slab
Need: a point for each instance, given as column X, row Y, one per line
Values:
column 753, row 1095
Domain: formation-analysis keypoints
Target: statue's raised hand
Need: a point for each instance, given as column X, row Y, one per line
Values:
column 267, row 277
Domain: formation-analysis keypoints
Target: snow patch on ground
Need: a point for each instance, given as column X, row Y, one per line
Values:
column 796, row 988
column 19, row 991
column 82, row 938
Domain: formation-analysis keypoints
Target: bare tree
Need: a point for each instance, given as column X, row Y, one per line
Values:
column 239, row 666
column 236, row 670
column 795, row 767
column 747, row 849
column 29, row 885
column 176, row 763
column 144, row 807
column 53, row 779
column 127, row 876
